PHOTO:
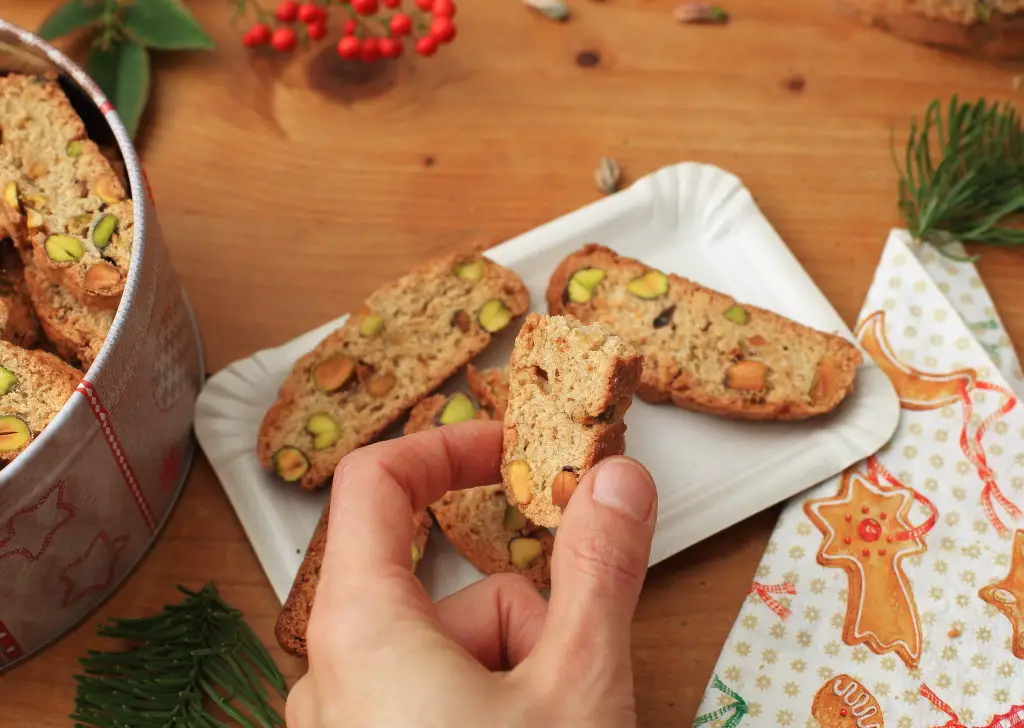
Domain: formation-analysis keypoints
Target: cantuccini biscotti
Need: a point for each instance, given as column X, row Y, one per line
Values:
column 76, row 331
column 77, row 219
column 411, row 336
column 34, row 386
column 479, row 522
column 18, row 323
column 290, row 629
column 702, row 349
column 570, row 385
column 490, row 387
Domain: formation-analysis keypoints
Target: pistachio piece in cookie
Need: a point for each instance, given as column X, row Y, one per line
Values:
column 582, row 284
column 650, row 285
column 494, row 316
column 470, row 269
column 457, row 408
column 737, row 314
column 64, row 248
column 324, row 429
column 523, row 551
column 103, row 230
column 371, row 325
column 14, row 433
column 290, row 463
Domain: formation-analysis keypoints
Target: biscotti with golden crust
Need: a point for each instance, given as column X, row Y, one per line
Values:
column 702, row 349
column 76, row 331
column 410, row 337
column 34, row 386
column 18, row 322
column 479, row 522
column 490, row 387
column 77, row 221
column 292, row 620
column 570, row 384
column 992, row 29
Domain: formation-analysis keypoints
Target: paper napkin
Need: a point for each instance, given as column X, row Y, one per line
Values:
column 893, row 594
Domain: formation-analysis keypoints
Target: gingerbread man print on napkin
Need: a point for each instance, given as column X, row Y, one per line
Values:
column 919, row 390
column 843, row 702
column 867, row 533
column 1007, row 595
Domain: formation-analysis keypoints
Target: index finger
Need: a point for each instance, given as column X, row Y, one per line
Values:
column 377, row 488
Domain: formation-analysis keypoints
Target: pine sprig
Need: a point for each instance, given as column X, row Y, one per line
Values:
column 194, row 655
column 962, row 178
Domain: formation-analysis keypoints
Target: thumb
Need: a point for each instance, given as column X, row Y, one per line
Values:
column 600, row 559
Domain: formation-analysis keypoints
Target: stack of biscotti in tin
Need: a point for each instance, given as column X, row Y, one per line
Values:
column 616, row 327
column 66, row 227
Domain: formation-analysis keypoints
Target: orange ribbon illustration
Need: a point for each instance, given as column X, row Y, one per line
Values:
column 919, row 390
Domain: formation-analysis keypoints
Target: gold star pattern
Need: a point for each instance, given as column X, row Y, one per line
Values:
column 1007, row 595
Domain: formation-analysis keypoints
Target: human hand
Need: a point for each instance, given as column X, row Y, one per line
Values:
column 494, row 654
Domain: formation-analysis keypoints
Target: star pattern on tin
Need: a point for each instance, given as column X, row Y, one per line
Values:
column 93, row 571
column 30, row 531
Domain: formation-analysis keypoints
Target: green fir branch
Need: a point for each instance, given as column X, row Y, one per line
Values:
column 962, row 176
column 179, row 664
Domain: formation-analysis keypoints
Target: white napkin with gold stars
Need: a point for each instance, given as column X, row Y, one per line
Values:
column 893, row 594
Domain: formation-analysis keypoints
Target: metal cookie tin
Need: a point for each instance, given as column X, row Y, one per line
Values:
column 81, row 506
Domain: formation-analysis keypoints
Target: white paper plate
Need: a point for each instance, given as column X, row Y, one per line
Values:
column 691, row 219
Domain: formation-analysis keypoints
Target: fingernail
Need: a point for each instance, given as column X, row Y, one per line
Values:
column 626, row 486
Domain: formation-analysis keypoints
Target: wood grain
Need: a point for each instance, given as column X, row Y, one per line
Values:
column 286, row 195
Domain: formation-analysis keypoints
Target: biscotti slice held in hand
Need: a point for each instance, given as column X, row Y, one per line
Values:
column 570, row 385
column 34, row 386
column 77, row 220
column 702, row 349
column 490, row 387
column 290, row 630
column 412, row 335
column 479, row 522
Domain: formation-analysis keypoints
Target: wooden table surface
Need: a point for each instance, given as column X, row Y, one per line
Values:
column 287, row 194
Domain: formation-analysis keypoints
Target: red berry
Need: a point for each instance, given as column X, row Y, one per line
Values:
column 257, row 35
column 283, row 40
column 390, row 47
column 390, row 3
column 316, row 30
column 401, row 24
column 310, row 13
column 260, row 32
column 365, row 7
column 348, row 47
column 443, row 29
column 444, row 9
column 287, row 11
column 427, row 45
column 349, row 28
column 370, row 50
column 425, row 5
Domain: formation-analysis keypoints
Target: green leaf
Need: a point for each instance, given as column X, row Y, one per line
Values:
column 123, row 74
column 166, row 25
column 70, row 16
